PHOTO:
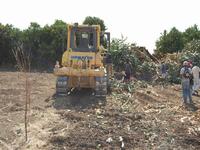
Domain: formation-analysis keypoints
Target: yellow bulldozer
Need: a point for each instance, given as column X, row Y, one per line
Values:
column 86, row 62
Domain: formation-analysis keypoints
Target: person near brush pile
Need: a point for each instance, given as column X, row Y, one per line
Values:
column 186, row 74
column 128, row 71
column 196, row 83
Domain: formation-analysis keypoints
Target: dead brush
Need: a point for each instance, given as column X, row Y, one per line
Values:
column 22, row 58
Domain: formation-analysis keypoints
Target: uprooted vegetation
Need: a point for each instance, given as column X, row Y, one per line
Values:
column 142, row 62
column 146, row 67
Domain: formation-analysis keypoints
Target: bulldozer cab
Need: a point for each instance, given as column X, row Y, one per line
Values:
column 83, row 39
column 87, row 38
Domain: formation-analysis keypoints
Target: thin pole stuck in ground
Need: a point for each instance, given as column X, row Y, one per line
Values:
column 26, row 107
column 23, row 63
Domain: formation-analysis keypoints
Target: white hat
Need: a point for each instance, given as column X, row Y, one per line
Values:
column 185, row 63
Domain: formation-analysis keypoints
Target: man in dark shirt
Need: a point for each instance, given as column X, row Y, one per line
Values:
column 163, row 70
column 128, row 71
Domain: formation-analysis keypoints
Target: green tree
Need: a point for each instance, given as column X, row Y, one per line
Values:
column 121, row 52
column 191, row 52
column 53, row 41
column 46, row 44
column 9, row 37
column 170, row 42
column 162, row 43
column 59, row 31
column 31, row 41
column 191, row 33
column 95, row 21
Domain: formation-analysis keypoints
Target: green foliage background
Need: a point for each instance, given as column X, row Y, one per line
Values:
column 175, row 40
column 45, row 44
column 95, row 21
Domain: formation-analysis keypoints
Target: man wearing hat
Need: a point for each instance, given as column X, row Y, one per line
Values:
column 186, row 74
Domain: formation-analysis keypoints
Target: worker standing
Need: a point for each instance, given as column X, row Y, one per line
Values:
column 109, row 66
column 190, row 65
column 186, row 74
column 128, row 71
column 195, row 72
column 163, row 70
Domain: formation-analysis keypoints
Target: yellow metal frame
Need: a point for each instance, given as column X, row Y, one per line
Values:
column 77, row 69
column 73, row 67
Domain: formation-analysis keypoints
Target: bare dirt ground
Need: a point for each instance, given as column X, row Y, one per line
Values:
column 149, row 118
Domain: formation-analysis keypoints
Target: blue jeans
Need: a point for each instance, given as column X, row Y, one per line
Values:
column 187, row 95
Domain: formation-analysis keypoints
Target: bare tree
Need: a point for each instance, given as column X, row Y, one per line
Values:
column 23, row 64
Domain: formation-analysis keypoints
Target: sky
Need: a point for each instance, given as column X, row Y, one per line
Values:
column 141, row 21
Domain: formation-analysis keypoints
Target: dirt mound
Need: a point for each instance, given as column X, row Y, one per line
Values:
column 102, row 131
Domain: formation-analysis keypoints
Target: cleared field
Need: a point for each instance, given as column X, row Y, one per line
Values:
column 151, row 118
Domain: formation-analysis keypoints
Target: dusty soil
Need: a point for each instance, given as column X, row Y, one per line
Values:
column 149, row 118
